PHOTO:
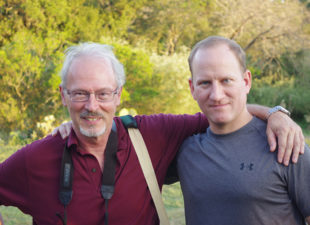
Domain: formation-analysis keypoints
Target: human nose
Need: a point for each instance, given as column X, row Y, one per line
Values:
column 92, row 103
column 217, row 92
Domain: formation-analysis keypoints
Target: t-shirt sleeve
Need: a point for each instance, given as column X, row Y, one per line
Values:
column 298, row 178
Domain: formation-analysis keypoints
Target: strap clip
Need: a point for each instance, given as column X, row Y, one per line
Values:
column 107, row 191
column 65, row 197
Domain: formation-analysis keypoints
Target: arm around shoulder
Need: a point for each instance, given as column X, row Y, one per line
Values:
column 281, row 131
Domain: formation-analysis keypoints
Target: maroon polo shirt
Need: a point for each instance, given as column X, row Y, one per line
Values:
column 29, row 179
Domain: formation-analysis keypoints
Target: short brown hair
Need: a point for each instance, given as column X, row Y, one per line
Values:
column 216, row 40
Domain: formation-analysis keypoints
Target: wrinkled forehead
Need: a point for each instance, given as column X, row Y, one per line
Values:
column 88, row 61
column 95, row 71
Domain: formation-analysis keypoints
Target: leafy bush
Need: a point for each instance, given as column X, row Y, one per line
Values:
column 295, row 99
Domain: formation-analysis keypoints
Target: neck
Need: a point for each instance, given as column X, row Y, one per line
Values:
column 225, row 128
column 95, row 145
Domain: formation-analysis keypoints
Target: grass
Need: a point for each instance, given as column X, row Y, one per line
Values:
column 13, row 216
column 173, row 200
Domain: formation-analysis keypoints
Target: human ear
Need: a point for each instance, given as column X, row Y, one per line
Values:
column 191, row 86
column 247, row 80
column 63, row 100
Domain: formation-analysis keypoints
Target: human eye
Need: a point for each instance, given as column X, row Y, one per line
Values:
column 80, row 95
column 204, row 83
column 227, row 81
column 103, row 95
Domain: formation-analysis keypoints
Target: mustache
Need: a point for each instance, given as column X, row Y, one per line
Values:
column 87, row 113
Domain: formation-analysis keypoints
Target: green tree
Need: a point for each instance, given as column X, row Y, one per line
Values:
column 33, row 37
column 170, row 24
column 152, row 39
column 28, row 83
column 174, row 92
column 141, row 88
column 265, row 29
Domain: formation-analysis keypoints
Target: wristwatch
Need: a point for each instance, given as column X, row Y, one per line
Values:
column 276, row 109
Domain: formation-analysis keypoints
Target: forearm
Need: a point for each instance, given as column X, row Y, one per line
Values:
column 258, row 111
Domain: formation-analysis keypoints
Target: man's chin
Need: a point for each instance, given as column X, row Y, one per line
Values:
column 91, row 132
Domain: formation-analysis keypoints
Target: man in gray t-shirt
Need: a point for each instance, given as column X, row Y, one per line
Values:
column 228, row 176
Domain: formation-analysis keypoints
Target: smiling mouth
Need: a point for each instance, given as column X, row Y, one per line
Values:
column 91, row 119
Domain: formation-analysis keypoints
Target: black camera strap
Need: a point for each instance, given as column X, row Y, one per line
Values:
column 108, row 175
column 66, row 180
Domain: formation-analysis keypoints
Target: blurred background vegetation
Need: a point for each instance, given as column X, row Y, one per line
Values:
column 152, row 38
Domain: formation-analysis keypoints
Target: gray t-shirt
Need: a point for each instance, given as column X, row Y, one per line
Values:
column 234, row 179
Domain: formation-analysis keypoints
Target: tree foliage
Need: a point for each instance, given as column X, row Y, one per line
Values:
column 28, row 79
column 140, row 91
column 265, row 29
column 152, row 38
column 170, row 24
column 174, row 92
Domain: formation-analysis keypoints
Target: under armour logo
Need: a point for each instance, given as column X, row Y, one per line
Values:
column 246, row 166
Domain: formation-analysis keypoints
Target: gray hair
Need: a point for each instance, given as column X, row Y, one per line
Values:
column 217, row 40
column 95, row 50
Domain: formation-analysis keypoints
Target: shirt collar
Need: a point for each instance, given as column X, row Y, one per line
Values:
column 72, row 139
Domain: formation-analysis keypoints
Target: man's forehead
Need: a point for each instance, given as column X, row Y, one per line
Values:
column 217, row 46
column 91, row 71
column 215, row 61
column 93, row 59
column 91, row 65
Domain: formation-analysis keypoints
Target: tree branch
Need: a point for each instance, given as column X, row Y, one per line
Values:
column 257, row 37
column 237, row 31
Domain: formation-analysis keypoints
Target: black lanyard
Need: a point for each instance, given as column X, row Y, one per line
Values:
column 108, row 176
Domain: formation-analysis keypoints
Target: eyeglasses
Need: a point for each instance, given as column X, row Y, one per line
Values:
column 83, row 96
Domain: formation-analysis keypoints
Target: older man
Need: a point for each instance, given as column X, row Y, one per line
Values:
column 64, row 181
column 227, row 174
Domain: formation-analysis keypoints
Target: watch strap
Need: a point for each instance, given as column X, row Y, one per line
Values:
column 278, row 108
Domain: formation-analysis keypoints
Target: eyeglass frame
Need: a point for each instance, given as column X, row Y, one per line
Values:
column 109, row 93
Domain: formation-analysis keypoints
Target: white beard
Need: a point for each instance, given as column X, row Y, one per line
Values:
column 92, row 133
